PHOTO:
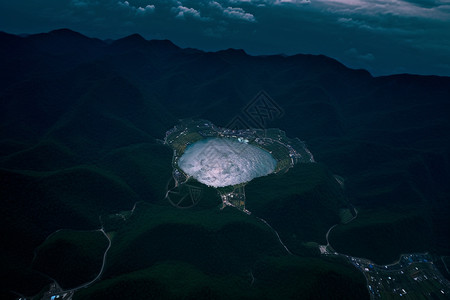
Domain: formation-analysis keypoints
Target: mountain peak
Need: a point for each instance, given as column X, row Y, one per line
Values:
column 135, row 37
column 64, row 41
column 65, row 32
column 62, row 34
column 232, row 51
column 133, row 40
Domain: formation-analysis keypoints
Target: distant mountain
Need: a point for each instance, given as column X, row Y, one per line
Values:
column 81, row 121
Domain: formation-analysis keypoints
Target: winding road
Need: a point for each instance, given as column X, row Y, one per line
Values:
column 278, row 236
column 57, row 290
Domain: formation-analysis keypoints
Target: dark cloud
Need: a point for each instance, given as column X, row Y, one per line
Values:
column 428, row 3
column 382, row 36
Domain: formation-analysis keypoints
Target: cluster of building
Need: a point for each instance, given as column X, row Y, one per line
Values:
column 236, row 199
column 55, row 292
column 414, row 276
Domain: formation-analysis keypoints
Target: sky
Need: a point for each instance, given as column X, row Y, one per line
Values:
column 383, row 37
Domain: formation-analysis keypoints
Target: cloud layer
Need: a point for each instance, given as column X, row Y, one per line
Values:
column 379, row 35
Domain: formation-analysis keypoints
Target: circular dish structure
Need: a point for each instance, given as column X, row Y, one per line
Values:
column 220, row 162
column 199, row 146
column 226, row 159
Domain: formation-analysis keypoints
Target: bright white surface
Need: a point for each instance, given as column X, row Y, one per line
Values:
column 221, row 162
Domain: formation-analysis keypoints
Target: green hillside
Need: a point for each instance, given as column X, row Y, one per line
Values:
column 72, row 258
column 81, row 129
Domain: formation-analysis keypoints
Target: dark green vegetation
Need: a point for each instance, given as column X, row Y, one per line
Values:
column 71, row 257
column 167, row 253
column 275, row 278
column 378, row 229
column 80, row 121
column 442, row 264
column 301, row 204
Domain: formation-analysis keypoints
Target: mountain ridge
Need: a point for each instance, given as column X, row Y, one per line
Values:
column 93, row 114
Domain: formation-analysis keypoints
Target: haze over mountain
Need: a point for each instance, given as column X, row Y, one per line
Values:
column 383, row 36
column 81, row 124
